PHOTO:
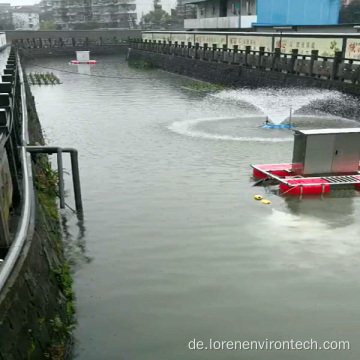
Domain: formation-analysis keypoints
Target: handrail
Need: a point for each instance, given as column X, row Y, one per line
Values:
column 27, row 215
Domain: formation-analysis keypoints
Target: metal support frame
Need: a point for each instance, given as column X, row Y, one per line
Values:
column 74, row 167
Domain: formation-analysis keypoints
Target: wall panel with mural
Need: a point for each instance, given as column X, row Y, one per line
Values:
column 327, row 44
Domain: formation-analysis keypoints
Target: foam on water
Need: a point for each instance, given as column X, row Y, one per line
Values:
column 276, row 103
column 187, row 128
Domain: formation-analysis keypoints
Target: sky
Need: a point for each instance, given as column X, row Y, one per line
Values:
column 141, row 5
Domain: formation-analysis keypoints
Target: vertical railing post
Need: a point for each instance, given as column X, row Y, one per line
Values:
column 247, row 53
column 337, row 62
column 261, row 56
column 277, row 55
column 235, row 51
column 224, row 51
column 196, row 50
column 76, row 180
column 188, row 49
column 61, row 178
column 294, row 56
column 205, row 50
column 214, row 47
column 314, row 57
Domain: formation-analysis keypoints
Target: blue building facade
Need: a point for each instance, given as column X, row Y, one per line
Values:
column 297, row 12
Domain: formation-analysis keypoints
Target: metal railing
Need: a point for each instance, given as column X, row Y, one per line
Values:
column 325, row 67
column 26, row 223
column 39, row 43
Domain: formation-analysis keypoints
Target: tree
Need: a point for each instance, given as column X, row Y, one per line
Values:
column 157, row 18
column 350, row 14
column 89, row 25
column 47, row 26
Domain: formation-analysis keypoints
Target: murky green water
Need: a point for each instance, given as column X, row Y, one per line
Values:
column 174, row 246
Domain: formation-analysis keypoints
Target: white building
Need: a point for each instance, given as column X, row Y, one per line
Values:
column 26, row 17
column 222, row 14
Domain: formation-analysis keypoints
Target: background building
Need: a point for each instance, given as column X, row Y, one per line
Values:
column 236, row 14
column 26, row 17
column 88, row 14
column 6, row 16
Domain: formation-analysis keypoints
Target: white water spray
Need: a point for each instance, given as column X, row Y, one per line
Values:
column 188, row 128
column 276, row 104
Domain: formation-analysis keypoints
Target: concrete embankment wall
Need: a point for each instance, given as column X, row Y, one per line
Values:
column 36, row 302
column 77, row 34
column 234, row 75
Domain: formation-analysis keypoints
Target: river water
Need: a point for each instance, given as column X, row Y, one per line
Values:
column 173, row 246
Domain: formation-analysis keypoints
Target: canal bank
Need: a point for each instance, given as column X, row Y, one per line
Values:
column 174, row 246
column 36, row 300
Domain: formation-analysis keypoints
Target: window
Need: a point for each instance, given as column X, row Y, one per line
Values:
column 31, row 26
column 202, row 10
column 213, row 10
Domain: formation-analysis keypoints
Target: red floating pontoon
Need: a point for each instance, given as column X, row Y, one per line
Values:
column 322, row 159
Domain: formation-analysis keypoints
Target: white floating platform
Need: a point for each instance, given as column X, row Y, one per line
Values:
column 83, row 57
column 77, row 62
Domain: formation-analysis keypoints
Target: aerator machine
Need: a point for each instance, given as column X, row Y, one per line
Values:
column 323, row 159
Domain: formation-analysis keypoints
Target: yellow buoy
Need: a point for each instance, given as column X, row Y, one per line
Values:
column 266, row 202
column 258, row 197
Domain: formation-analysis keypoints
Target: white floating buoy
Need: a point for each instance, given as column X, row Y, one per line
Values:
column 83, row 57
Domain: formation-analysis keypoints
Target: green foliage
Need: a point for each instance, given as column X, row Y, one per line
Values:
column 350, row 14
column 47, row 25
column 43, row 79
column 157, row 18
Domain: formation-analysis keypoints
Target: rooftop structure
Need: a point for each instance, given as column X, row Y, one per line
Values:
column 26, row 17
column 236, row 14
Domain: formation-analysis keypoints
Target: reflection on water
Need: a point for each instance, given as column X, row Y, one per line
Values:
column 336, row 210
column 75, row 246
column 179, row 248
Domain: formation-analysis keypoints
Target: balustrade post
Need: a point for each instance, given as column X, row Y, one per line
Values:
column 196, row 50
column 261, row 56
column 337, row 62
column 294, row 56
column 204, row 51
column 247, row 53
column 235, row 51
column 224, row 50
column 314, row 57
column 277, row 55
column 188, row 49
column 214, row 47
column 182, row 52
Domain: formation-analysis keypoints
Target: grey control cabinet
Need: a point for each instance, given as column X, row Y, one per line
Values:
column 326, row 151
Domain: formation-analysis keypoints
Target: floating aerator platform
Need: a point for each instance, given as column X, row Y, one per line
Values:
column 83, row 57
column 322, row 160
